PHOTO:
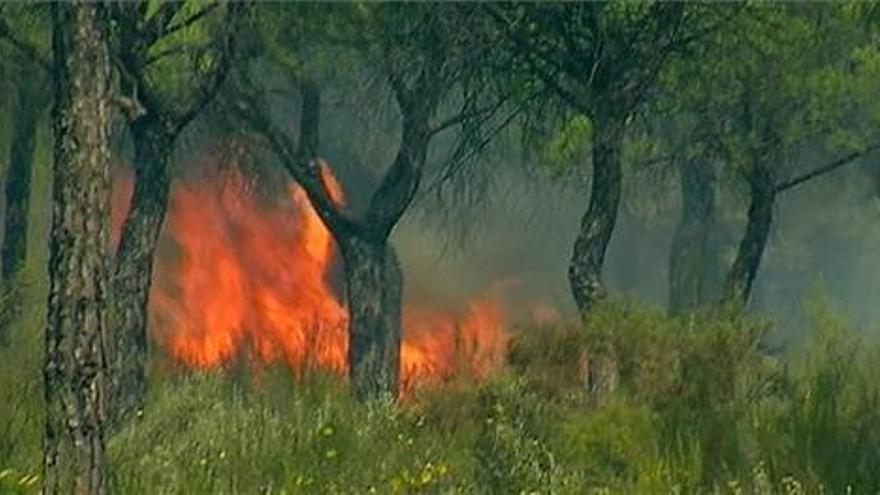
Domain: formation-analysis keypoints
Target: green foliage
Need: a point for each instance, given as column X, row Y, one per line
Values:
column 699, row 408
column 829, row 423
column 512, row 448
column 21, row 416
column 772, row 80
column 280, row 437
column 567, row 148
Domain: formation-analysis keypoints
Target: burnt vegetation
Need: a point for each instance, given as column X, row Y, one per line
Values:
column 538, row 247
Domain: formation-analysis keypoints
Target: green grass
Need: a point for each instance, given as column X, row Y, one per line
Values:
column 699, row 408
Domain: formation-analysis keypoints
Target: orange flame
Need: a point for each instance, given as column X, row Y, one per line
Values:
column 249, row 276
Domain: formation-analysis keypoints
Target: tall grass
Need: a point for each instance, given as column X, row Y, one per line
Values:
column 700, row 407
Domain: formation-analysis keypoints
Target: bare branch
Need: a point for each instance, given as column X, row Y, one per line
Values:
column 302, row 167
column 209, row 85
column 309, row 119
column 155, row 26
column 533, row 58
column 464, row 115
column 399, row 185
column 840, row 162
column 130, row 106
column 189, row 21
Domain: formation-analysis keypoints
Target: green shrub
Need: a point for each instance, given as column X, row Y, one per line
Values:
column 824, row 425
column 21, row 390
column 550, row 359
column 699, row 408
column 201, row 435
column 512, row 448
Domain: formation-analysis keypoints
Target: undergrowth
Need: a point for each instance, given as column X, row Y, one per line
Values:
column 699, row 407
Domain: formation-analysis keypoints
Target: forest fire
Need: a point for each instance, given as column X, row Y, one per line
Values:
column 239, row 275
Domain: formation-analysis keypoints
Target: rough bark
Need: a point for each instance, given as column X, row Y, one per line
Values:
column 74, row 370
column 373, row 276
column 30, row 99
column 155, row 121
column 689, row 256
column 133, row 268
column 762, row 197
column 373, row 284
column 588, row 255
column 597, row 224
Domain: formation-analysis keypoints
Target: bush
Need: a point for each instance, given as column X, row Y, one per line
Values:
column 201, row 435
column 21, row 390
column 699, row 408
column 824, row 425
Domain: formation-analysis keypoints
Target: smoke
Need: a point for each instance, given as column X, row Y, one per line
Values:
column 506, row 224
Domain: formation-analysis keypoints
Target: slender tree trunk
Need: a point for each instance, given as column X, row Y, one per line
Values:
column 78, row 267
column 28, row 108
column 689, row 256
column 133, row 268
column 588, row 255
column 597, row 225
column 762, row 193
column 374, row 285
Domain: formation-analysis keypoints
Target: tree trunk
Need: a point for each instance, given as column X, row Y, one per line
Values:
column 74, row 369
column 133, row 268
column 28, row 107
column 762, row 193
column 374, row 285
column 588, row 255
column 689, row 256
column 597, row 225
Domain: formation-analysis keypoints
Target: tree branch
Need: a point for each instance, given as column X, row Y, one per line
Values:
column 464, row 115
column 155, row 26
column 309, row 119
column 189, row 21
column 401, row 181
column 533, row 57
column 299, row 161
column 398, row 186
column 840, row 162
column 208, row 86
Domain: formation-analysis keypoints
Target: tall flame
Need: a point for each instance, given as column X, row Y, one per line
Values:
column 248, row 276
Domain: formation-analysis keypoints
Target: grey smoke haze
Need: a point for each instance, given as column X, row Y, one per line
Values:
column 520, row 231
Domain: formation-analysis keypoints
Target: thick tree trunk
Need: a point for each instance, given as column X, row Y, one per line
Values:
column 597, row 225
column 374, row 285
column 762, row 193
column 28, row 107
column 133, row 268
column 74, row 369
column 689, row 256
